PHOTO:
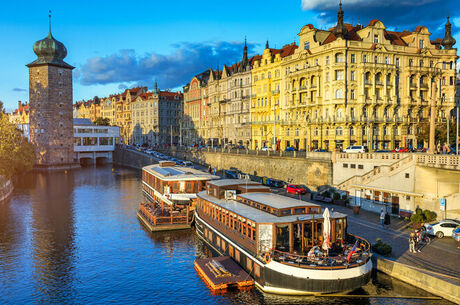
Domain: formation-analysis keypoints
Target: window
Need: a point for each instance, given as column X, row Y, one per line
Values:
column 352, row 75
column 352, row 165
column 306, row 45
column 237, row 255
column 249, row 264
column 345, row 165
column 352, row 94
column 327, row 76
column 339, row 93
column 360, row 166
column 397, row 62
column 352, row 58
column 339, row 131
column 421, row 44
column 338, row 57
column 386, row 60
column 327, row 60
column 376, row 38
column 410, row 62
column 407, row 175
column 257, row 270
column 421, row 63
column 376, row 59
column 364, row 58
column 338, row 75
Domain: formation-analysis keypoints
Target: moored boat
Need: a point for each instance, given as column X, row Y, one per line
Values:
column 289, row 246
column 171, row 190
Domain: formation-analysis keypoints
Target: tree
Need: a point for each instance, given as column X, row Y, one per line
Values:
column 16, row 153
column 440, row 134
column 102, row 121
column 2, row 110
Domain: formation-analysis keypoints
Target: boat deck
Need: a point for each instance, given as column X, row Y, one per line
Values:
column 222, row 273
column 163, row 226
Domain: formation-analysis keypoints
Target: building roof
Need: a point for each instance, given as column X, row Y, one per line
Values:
column 276, row 201
column 260, row 216
column 79, row 121
column 178, row 173
column 235, row 182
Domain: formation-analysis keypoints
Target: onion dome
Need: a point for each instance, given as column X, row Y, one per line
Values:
column 49, row 48
column 50, row 51
column 448, row 41
column 340, row 29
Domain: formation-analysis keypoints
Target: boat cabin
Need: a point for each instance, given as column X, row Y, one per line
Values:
column 166, row 182
column 261, row 221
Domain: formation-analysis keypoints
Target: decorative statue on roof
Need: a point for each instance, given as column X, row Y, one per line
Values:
column 340, row 30
column 448, row 41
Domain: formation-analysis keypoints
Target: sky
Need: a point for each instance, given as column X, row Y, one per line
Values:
column 115, row 44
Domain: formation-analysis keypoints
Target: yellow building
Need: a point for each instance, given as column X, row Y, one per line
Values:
column 108, row 106
column 20, row 115
column 266, row 112
column 364, row 86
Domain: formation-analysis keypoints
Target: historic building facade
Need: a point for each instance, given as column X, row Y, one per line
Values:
column 157, row 117
column 20, row 115
column 50, row 96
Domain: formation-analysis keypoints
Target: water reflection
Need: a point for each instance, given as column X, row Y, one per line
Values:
column 53, row 236
column 75, row 238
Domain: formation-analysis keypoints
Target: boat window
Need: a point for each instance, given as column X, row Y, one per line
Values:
column 285, row 212
column 299, row 211
column 282, row 237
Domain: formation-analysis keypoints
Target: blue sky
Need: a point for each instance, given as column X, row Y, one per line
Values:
column 115, row 44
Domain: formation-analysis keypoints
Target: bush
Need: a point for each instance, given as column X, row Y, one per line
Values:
column 382, row 248
column 422, row 216
column 336, row 196
column 344, row 197
column 327, row 194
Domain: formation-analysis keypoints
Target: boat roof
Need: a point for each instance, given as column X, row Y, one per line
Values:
column 227, row 182
column 178, row 173
column 260, row 216
column 253, row 187
column 276, row 201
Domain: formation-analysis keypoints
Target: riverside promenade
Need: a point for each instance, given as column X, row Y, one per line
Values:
column 435, row 269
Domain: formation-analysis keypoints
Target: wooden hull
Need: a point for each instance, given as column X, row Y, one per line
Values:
column 274, row 277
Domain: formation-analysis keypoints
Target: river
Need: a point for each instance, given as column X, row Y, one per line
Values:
column 73, row 238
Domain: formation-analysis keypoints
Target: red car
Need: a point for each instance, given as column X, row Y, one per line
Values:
column 296, row 189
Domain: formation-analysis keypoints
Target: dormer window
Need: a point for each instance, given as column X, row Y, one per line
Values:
column 421, row 44
column 376, row 38
column 306, row 45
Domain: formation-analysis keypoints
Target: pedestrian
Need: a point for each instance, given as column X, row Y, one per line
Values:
column 417, row 240
column 412, row 242
column 382, row 219
column 387, row 219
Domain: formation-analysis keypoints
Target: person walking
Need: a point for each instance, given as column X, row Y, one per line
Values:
column 382, row 219
column 418, row 240
column 412, row 242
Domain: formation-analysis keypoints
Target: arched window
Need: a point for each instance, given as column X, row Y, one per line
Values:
column 339, row 113
column 367, row 77
column 378, row 78
column 327, row 94
column 339, row 93
column 365, row 112
column 316, row 131
column 352, row 131
column 338, row 131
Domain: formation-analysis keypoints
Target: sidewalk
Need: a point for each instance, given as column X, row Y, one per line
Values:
column 439, row 258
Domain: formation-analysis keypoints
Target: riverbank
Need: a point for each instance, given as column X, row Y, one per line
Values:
column 438, row 284
column 6, row 188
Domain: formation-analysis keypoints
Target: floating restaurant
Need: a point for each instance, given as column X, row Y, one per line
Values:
column 171, row 190
column 287, row 245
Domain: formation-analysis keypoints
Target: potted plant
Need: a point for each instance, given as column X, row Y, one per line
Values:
column 338, row 199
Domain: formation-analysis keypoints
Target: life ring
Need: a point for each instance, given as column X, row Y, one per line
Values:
column 267, row 258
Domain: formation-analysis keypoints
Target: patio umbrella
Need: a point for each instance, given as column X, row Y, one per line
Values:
column 327, row 230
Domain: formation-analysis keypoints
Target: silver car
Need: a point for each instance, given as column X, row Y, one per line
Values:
column 456, row 234
column 442, row 228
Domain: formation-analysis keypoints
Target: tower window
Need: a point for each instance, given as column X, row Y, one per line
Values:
column 376, row 38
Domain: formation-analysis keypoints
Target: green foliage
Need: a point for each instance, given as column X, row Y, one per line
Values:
column 344, row 197
column 16, row 153
column 327, row 194
column 102, row 121
column 382, row 248
column 336, row 196
column 440, row 131
column 422, row 216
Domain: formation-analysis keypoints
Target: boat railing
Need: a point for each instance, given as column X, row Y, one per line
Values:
column 340, row 261
column 173, row 218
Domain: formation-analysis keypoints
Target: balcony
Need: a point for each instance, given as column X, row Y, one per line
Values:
column 313, row 86
column 277, row 91
column 412, row 86
column 367, row 82
column 424, row 86
column 378, row 83
column 302, row 88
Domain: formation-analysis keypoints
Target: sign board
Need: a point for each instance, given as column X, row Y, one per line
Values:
column 443, row 204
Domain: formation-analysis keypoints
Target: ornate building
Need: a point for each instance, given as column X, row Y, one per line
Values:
column 20, row 115
column 50, row 95
column 365, row 85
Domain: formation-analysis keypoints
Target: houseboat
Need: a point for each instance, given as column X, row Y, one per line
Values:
column 171, row 190
column 281, row 241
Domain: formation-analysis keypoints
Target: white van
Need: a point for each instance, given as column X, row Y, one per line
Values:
column 187, row 164
column 356, row 149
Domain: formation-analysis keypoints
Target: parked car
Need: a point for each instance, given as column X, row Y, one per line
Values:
column 231, row 174
column 356, row 149
column 266, row 149
column 187, row 164
column 442, row 228
column 401, row 150
column 275, row 183
column 383, row 151
column 295, row 189
column 290, row 148
column 456, row 234
column 320, row 150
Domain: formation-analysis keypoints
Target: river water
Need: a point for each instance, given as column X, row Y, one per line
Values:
column 73, row 238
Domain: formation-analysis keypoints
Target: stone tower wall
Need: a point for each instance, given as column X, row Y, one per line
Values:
column 51, row 120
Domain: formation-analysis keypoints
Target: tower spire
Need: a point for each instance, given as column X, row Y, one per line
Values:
column 49, row 23
column 448, row 41
column 266, row 45
column 340, row 30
